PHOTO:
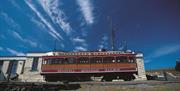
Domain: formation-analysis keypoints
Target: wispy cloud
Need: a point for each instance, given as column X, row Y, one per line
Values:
column 15, row 4
column 80, row 48
column 80, row 44
column 43, row 27
column 38, row 23
column 51, row 7
column 87, row 10
column 77, row 39
column 162, row 51
column 1, row 48
column 19, row 37
column 165, row 50
column 2, row 36
column 104, row 42
column 123, row 45
column 148, row 60
column 9, row 21
column 51, row 29
column 14, row 52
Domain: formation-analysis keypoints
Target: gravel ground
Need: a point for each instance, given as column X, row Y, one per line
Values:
column 138, row 87
column 93, row 86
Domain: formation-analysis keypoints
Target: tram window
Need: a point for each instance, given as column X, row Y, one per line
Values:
column 44, row 61
column 124, row 59
column 96, row 60
column 131, row 60
column 71, row 60
column 108, row 59
column 60, row 60
column 118, row 59
column 54, row 61
column 83, row 60
column 65, row 61
column 49, row 61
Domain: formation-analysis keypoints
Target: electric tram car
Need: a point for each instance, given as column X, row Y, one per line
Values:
column 82, row 66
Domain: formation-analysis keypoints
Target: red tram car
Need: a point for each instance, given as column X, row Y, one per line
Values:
column 81, row 66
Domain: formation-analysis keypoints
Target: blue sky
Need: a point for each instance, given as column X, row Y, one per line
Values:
column 149, row 26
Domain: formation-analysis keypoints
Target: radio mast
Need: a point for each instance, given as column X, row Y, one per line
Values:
column 112, row 34
column 55, row 49
column 112, row 39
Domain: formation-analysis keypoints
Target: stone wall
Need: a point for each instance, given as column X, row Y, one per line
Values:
column 140, row 67
column 5, row 67
column 29, row 75
column 24, row 69
column 20, row 64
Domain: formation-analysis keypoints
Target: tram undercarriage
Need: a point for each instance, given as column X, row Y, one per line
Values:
column 72, row 77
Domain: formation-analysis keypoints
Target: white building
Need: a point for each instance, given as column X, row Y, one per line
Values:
column 27, row 67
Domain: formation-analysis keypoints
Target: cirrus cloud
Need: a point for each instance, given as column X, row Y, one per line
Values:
column 19, row 37
column 162, row 51
column 87, row 10
column 77, row 39
column 165, row 50
column 104, row 42
column 14, row 52
column 51, row 7
column 51, row 29
column 1, row 48
column 80, row 48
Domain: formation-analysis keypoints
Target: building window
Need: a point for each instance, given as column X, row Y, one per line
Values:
column 12, row 67
column 1, row 65
column 35, row 64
